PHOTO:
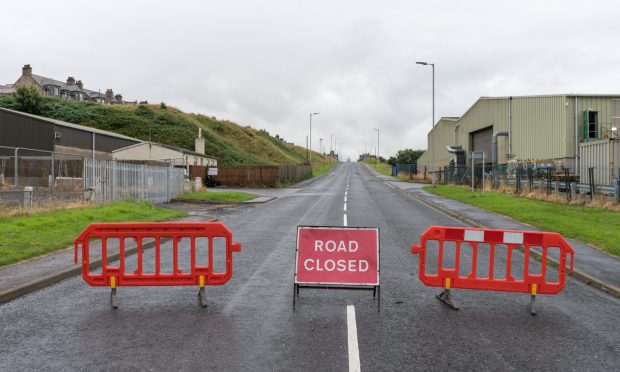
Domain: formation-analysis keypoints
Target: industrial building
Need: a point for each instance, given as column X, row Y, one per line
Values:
column 572, row 131
column 19, row 129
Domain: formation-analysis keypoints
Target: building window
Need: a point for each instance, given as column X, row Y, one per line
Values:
column 590, row 125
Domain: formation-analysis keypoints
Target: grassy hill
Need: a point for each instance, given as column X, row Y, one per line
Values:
column 231, row 143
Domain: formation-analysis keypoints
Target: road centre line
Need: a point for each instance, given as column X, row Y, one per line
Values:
column 354, row 350
column 345, row 206
column 345, row 198
column 345, row 220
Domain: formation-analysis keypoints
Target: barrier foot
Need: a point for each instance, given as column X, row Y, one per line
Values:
column 533, row 304
column 113, row 299
column 202, row 298
column 446, row 298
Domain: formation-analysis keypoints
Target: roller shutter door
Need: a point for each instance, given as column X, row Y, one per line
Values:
column 481, row 141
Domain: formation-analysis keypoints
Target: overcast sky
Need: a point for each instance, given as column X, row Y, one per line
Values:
column 269, row 64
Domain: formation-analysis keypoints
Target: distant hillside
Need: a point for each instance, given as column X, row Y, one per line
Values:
column 231, row 143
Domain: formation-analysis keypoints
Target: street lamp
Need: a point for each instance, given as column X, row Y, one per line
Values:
column 331, row 143
column 433, row 124
column 310, row 146
column 377, row 158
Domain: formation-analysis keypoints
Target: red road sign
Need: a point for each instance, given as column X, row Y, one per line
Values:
column 337, row 256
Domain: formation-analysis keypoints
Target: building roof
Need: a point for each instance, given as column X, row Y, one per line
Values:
column 71, row 125
column 170, row 147
column 7, row 89
column 578, row 95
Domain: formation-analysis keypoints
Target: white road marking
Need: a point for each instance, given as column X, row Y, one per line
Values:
column 389, row 184
column 345, row 198
column 345, row 193
column 345, row 220
column 345, row 206
column 354, row 350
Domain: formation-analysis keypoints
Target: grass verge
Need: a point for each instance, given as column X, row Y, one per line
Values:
column 383, row 168
column 595, row 226
column 321, row 168
column 32, row 235
column 217, row 197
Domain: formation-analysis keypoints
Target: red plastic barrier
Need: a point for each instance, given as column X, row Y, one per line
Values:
column 145, row 235
column 488, row 239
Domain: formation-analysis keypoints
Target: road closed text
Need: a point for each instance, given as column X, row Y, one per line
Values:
column 342, row 265
column 337, row 255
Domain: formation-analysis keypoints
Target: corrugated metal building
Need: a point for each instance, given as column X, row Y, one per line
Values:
column 539, row 128
column 18, row 129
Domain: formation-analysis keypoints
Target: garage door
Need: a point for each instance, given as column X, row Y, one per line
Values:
column 481, row 141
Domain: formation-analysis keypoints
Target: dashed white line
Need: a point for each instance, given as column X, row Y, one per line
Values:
column 345, row 220
column 345, row 206
column 354, row 350
column 345, row 193
column 345, row 198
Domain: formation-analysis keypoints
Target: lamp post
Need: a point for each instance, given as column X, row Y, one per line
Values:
column 310, row 146
column 433, row 124
column 331, row 142
column 336, row 146
column 377, row 158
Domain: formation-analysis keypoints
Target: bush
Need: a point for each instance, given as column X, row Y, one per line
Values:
column 28, row 99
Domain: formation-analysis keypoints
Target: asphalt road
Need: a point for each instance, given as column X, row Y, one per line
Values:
column 250, row 325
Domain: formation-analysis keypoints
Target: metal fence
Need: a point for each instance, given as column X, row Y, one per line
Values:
column 110, row 180
column 39, row 169
column 529, row 179
column 404, row 170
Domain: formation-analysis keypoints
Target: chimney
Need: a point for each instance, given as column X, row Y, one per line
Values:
column 109, row 95
column 119, row 98
column 27, row 70
column 80, row 85
column 70, row 81
column 200, row 143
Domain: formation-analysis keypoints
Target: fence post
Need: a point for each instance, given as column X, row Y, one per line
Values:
column 591, row 179
column 16, row 173
column 142, row 191
column 168, row 183
column 617, row 190
column 51, row 177
column 425, row 172
column 113, row 187
column 548, row 180
column 28, row 197
column 567, row 180
column 573, row 190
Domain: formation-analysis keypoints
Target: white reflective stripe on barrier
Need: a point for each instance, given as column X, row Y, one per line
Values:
column 474, row 235
column 514, row 238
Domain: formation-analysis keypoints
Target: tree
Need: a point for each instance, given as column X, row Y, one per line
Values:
column 28, row 99
column 407, row 156
column 162, row 106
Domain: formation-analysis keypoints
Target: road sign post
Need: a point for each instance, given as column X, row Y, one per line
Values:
column 337, row 258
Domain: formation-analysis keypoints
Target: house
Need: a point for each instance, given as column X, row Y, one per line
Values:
column 160, row 152
column 7, row 89
column 70, row 89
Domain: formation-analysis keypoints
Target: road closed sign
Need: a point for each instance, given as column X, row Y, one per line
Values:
column 337, row 256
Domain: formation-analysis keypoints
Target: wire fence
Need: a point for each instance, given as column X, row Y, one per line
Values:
column 34, row 178
column 42, row 170
column 549, row 180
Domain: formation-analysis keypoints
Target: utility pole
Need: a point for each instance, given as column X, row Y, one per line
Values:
column 310, row 144
column 433, row 124
column 377, row 159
